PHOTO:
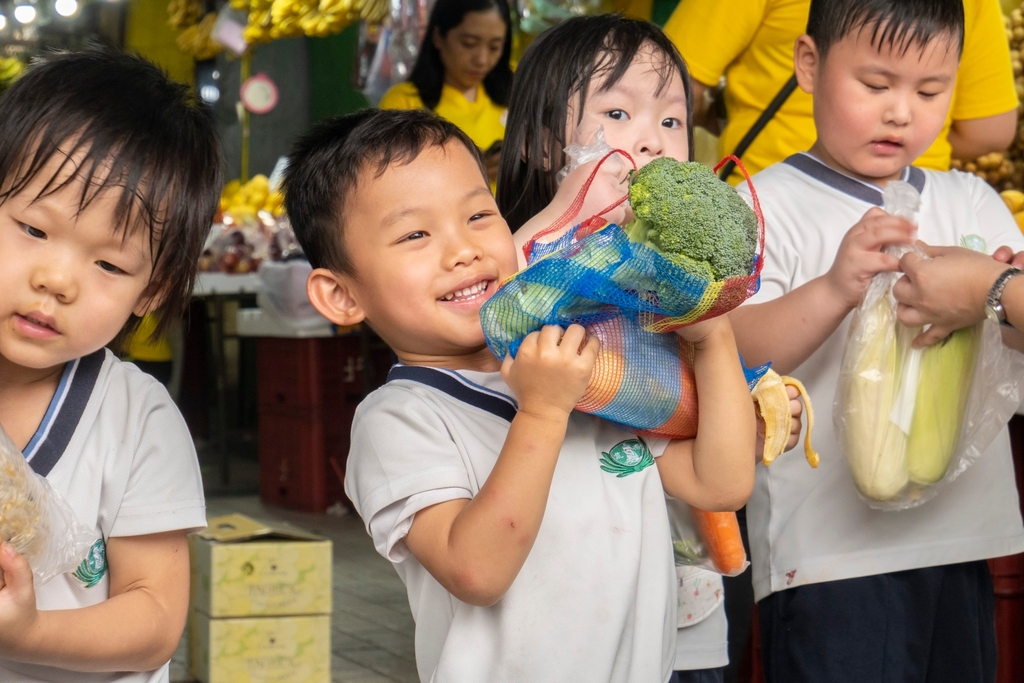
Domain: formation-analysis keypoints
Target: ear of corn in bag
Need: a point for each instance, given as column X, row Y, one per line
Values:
column 901, row 412
column 36, row 520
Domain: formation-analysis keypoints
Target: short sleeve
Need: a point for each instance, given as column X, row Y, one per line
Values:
column 780, row 259
column 402, row 96
column 711, row 34
column 400, row 447
column 996, row 223
column 165, row 488
column 984, row 85
column 389, row 527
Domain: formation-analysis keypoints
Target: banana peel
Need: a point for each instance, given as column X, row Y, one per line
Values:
column 773, row 404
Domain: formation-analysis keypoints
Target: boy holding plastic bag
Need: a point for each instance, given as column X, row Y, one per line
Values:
column 109, row 176
column 846, row 591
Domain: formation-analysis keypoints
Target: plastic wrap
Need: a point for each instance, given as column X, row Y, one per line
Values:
column 388, row 51
column 36, row 520
column 695, row 544
column 911, row 420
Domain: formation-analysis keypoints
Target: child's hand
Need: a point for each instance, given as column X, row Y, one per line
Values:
column 700, row 333
column 796, row 410
column 18, row 613
column 551, row 370
column 1006, row 255
column 860, row 255
column 610, row 184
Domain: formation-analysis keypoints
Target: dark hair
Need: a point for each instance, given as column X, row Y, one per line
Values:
column 128, row 127
column 897, row 24
column 559, row 65
column 326, row 163
column 428, row 72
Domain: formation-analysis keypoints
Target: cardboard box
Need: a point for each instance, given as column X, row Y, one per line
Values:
column 244, row 568
column 260, row 649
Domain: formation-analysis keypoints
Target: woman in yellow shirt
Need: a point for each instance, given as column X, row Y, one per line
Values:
column 751, row 42
column 463, row 72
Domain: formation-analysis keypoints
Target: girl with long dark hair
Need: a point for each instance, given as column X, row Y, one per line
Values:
column 463, row 72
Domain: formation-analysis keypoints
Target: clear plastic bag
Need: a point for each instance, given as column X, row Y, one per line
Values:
column 714, row 545
column 911, row 420
column 36, row 520
column 583, row 153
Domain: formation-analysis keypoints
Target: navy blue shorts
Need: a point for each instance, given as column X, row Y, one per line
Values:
column 932, row 625
column 699, row 676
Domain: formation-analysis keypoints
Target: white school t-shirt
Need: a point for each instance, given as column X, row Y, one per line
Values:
column 595, row 599
column 115, row 446
column 809, row 525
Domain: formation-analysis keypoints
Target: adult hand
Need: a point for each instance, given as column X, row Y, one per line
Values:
column 946, row 290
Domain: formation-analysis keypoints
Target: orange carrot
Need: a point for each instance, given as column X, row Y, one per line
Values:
column 721, row 534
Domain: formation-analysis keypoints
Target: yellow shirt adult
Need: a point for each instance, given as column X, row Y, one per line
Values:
column 751, row 43
column 483, row 120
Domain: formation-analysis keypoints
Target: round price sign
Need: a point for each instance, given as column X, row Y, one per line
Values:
column 259, row 94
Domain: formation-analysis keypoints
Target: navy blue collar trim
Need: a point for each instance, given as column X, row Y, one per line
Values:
column 458, row 388
column 54, row 434
column 847, row 185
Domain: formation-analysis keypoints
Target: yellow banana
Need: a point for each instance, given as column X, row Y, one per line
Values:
column 773, row 404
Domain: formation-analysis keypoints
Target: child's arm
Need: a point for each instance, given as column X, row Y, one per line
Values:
column 136, row 629
column 475, row 548
column 715, row 470
column 787, row 330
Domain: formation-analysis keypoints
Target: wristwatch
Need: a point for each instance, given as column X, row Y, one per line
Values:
column 994, row 303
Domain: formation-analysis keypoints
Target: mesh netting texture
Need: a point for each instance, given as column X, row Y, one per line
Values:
column 627, row 295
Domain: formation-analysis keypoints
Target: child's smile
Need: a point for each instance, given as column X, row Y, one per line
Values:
column 428, row 248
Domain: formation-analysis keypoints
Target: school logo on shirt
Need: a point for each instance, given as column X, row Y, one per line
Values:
column 627, row 457
column 94, row 566
column 974, row 243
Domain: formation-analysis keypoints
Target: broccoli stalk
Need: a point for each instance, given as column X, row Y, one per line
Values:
column 684, row 212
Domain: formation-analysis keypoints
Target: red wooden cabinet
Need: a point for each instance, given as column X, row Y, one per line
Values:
column 307, row 390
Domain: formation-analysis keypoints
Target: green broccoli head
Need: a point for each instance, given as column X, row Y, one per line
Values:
column 693, row 218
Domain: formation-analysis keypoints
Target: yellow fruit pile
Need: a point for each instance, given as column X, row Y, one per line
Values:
column 1015, row 203
column 10, row 69
column 273, row 19
column 198, row 41
column 184, row 13
column 1006, row 171
column 245, row 201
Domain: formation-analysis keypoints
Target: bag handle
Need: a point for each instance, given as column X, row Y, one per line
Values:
column 577, row 204
column 759, row 125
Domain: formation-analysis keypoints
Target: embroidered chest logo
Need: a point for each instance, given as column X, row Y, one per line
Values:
column 94, row 566
column 627, row 457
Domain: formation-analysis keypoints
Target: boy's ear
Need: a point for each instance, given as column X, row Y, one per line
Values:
column 806, row 61
column 331, row 294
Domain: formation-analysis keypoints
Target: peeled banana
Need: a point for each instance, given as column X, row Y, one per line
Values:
column 773, row 403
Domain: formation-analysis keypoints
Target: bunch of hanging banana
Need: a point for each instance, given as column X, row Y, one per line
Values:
column 198, row 41
column 10, row 69
column 184, row 13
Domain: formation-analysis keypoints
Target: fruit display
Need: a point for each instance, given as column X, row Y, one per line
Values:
column 184, row 13
column 250, row 228
column 1015, row 203
column 273, row 19
column 1005, row 170
column 198, row 41
column 10, row 69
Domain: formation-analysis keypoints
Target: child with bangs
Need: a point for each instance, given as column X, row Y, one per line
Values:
column 524, row 558
column 623, row 81
column 109, row 179
column 846, row 592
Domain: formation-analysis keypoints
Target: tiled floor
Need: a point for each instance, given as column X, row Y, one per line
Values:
column 371, row 627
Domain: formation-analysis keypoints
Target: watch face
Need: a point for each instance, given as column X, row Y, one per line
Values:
column 992, row 315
